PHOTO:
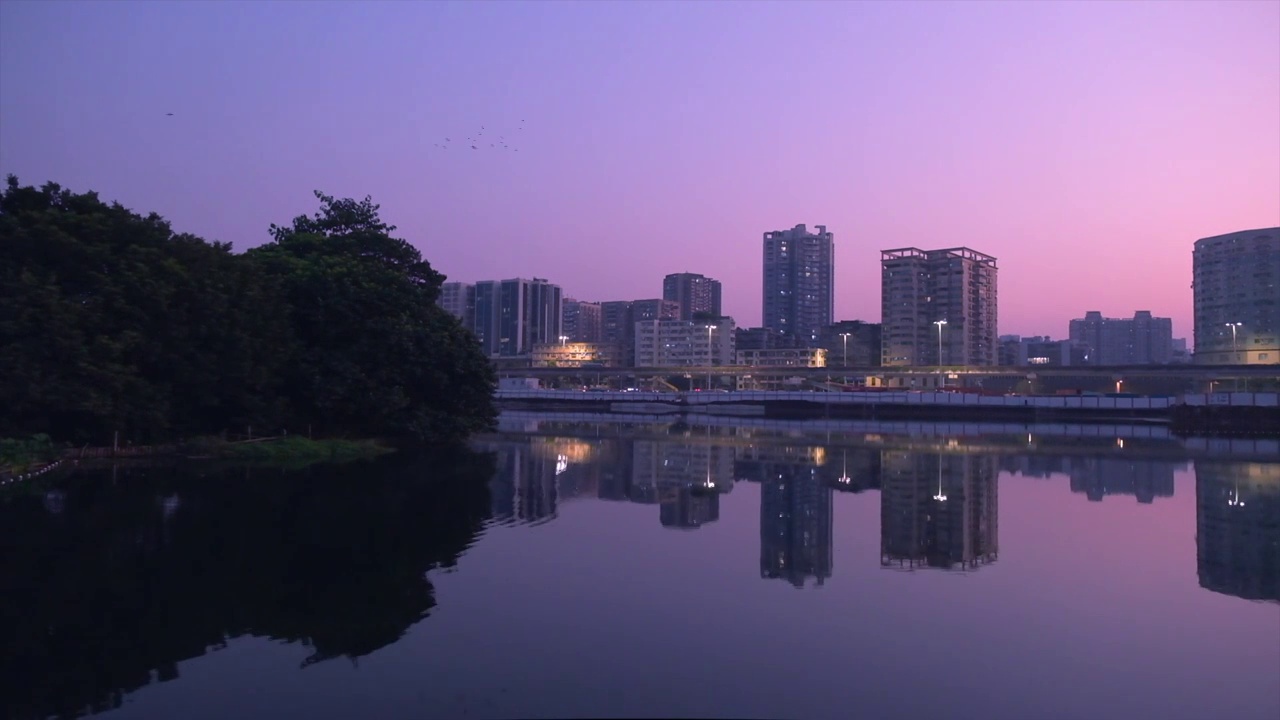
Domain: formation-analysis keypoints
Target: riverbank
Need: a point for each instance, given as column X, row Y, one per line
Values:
column 294, row 448
column 25, row 458
column 20, row 456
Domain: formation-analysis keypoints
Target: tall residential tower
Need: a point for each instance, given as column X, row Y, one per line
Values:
column 799, row 281
column 511, row 316
column 695, row 293
column 938, row 307
column 1237, row 298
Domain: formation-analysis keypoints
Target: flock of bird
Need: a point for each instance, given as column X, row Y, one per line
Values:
column 476, row 143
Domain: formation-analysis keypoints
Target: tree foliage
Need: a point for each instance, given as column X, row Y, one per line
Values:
column 109, row 321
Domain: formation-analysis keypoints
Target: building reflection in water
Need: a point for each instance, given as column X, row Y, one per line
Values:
column 1238, row 528
column 1144, row 479
column 796, row 519
column 1097, row 477
column 685, row 478
column 524, row 487
column 937, row 510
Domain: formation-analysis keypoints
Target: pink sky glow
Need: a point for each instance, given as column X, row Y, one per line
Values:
column 1086, row 145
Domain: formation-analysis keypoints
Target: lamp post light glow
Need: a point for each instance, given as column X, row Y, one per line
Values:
column 563, row 339
column 710, row 361
column 1235, row 350
column 940, row 323
column 845, row 336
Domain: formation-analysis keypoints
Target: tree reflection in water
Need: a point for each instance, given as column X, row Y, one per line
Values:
column 107, row 586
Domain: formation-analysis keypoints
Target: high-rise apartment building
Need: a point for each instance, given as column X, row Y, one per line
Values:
column 938, row 307
column 695, row 293
column 459, row 299
column 511, row 316
column 799, row 281
column 1237, row 298
column 1140, row 340
column 581, row 321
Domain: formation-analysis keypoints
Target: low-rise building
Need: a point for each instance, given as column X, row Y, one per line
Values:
column 1140, row 340
column 1016, row 351
column 760, row 338
column 577, row 354
column 851, row 343
column 681, row 343
column 618, row 320
column 783, row 357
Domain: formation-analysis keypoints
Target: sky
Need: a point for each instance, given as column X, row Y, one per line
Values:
column 1086, row 145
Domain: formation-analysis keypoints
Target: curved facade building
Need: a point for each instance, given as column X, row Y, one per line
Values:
column 1237, row 298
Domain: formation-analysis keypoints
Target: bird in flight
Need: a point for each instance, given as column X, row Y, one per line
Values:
column 168, row 114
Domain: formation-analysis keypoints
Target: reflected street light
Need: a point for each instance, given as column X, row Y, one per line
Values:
column 940, row 497
column 1234, row 500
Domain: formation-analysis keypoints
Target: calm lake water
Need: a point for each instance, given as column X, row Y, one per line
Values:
column 644, row 569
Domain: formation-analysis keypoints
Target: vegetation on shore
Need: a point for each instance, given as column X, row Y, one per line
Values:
column 286, row 449
column 17, row 455
column 110, row 322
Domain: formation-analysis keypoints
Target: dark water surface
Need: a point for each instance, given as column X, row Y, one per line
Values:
column 656, row 570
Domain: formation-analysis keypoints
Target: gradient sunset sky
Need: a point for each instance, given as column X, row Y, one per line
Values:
column 1086, row 145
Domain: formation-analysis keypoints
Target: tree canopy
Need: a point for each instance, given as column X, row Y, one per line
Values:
column 110, row 321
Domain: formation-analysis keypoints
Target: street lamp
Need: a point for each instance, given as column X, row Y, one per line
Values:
column 710, row 362
column 1234, row 349
column 563, row 340
column 845, row 337
column 939, row 323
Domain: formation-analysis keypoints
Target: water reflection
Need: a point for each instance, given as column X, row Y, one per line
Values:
column 937, row 511
column 939, row 496
column 1238, row 529
column 114, row 578
column 1143, row 478
column 109, row 584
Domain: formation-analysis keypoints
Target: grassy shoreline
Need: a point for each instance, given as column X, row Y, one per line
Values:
column 18, row 455
column 286, row 449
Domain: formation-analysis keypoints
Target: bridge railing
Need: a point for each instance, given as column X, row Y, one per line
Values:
column 1238, row 399
column 1083, row 402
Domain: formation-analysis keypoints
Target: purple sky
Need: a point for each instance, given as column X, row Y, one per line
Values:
column 1085, row 145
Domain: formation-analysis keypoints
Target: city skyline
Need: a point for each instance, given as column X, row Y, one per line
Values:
column 1096, row 154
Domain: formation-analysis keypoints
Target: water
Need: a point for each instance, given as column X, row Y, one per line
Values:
column 747, row 569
